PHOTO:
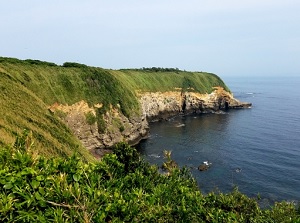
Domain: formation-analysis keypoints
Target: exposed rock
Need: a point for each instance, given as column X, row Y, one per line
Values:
column 119, row 127
column 154, row 106
column 162, row 105
column 204, row 166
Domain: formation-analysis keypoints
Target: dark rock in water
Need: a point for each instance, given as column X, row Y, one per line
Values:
column 203, row 167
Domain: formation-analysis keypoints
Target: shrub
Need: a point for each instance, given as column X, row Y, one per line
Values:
column 120, row 188
column 73, row 64
column 90, row 118
column 38, row 62
column 101, row 124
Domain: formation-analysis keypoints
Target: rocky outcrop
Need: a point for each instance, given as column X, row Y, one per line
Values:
column 162, row 105
column 118, row 127
column 154, row 106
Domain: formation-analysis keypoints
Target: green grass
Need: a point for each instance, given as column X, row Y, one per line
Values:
column 168, row 81
column 29, row 87
column 22, row 109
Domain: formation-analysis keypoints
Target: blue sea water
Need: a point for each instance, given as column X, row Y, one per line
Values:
column 256, row 149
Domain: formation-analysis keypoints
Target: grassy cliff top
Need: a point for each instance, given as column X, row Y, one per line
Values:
column 29, row 87
column 169, row 80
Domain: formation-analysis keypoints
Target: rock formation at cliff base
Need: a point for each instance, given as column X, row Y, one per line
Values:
column 162, row 105
column 154, row 106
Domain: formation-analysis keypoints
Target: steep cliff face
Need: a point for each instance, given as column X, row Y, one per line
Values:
column 118, row 127
column 154, row 106
column 158, row 105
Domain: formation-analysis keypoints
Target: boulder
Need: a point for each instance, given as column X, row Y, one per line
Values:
column 203, row 167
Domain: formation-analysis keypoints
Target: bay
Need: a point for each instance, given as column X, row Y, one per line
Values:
column 257, row 149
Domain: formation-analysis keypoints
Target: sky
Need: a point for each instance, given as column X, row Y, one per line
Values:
column 226, row 37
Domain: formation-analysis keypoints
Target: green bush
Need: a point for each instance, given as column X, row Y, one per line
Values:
column 120, row 188
column 90, row 118
column 27, row 61
column 38, row 62
column 73, row 64
column 121, row 128
column 100, row 120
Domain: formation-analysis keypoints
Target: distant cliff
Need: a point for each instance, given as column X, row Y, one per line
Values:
column 81, row 107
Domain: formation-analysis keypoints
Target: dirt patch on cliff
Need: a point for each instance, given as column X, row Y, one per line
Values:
column 79, row 107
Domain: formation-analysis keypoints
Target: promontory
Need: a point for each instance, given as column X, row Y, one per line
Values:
column 74, row 107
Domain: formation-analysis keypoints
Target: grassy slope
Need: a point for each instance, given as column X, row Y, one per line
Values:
column 29, row 87
column 21, row 108
column 168, row 81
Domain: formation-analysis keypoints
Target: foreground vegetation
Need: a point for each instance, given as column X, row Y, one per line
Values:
column 119, row 188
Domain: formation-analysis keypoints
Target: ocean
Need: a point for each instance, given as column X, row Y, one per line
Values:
column 256, row 149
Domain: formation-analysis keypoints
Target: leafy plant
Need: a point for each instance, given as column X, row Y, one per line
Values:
column 169, row 164
column 121, row 187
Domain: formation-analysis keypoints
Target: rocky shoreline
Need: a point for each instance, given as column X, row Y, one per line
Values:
column 163, row 105
column 154, row 106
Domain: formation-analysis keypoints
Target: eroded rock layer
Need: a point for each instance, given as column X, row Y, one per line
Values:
column 161, row 105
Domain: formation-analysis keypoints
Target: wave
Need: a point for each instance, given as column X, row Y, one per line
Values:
column 154, row 156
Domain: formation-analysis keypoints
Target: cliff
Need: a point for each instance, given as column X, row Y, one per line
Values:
column 162, row 105
column 119, row 127
column 154, row 106
column 75, row 107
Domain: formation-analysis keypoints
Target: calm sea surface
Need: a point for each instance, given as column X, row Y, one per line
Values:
column 256, row 149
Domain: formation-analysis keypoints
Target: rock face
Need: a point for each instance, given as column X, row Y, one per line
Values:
column 118, row 127
column 160, row 105
column 154, row 106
